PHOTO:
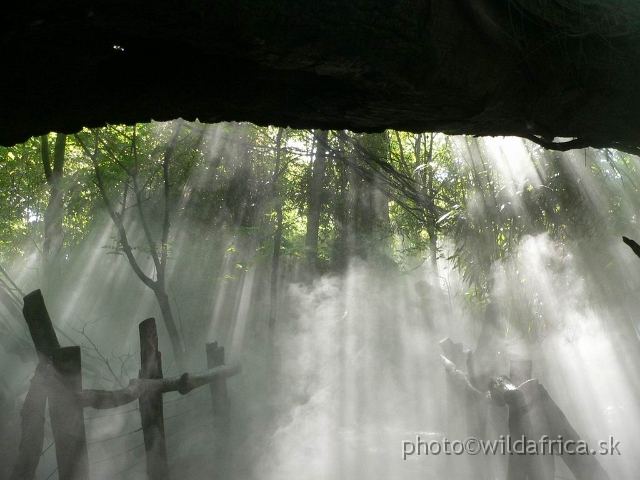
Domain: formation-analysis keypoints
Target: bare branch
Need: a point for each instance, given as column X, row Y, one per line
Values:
column 578, row 143
column 117, row 220
column 633, row 245
column 100, row 357
column 15, row 287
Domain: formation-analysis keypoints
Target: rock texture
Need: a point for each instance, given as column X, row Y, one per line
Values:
column 478, row 67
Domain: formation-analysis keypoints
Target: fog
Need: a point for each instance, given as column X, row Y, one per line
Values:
column 354, row 370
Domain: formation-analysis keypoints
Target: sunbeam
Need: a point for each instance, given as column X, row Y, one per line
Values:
column 511, row 252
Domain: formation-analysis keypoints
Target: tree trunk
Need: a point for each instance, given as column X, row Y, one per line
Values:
column 371, row 209
column 315, row 199
column 431, row 221
column 170, row 324
column 277, row 243
column 54, row 214
column 160, row 260
column 340, row 250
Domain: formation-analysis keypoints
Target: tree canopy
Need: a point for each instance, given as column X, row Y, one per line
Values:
column 243, row 233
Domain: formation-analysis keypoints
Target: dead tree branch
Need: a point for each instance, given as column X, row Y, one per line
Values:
column 633, row 245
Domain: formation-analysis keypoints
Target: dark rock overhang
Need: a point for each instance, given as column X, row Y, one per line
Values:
column 473, row 67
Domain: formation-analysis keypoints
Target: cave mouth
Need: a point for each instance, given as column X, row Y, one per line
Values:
column 542, row 70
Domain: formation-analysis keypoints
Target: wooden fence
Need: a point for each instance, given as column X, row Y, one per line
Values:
column 58, row 380
column 532, row 415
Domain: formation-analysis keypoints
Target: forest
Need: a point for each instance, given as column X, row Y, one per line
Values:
column 330, row 265
column 259, row 240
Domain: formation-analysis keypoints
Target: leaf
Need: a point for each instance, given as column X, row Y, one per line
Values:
column 447, row 215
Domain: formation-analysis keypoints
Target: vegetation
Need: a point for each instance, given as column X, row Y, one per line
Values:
column 277, row 200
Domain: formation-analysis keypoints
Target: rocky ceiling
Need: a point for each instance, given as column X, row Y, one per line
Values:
column 478, row 67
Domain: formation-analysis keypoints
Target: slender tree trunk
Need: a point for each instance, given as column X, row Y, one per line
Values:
column 371, row 211
column 431, row 221
column 383, row 216
column 381, row 202
column 277, row 243
column 340, row 249
column 54, row 213
column 352, row 206
column 158, row 286
column 170, row 324
column 424, row 174
column 315, row 198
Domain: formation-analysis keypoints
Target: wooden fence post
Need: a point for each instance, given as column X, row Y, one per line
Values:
column 32, row 414
column 221, row 408
column 476, row 419
column 151, row 408
column 583, row 467
column 457, row 410
column 523, row 463
column 67, row 417
column 476, row 411
column 40, row 326
column 528, row 421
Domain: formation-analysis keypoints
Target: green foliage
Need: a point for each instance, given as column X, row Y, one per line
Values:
column 393, row 198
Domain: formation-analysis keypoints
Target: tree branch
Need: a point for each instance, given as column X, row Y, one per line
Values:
column 578, row 143
column 392, row 178
column 633, row 245
column 15, row 287
column 117, row 220
column 58, row 156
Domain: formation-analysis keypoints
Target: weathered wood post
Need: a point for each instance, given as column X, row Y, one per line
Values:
column 67, row 417
column 151, row 408
column 456, row 408
column 525, row 464
column 455, row 398
column 40, row 326
column 221, row 409
column 519, row 372
column 583, row 467
column 476, row 411
column 32, row 414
